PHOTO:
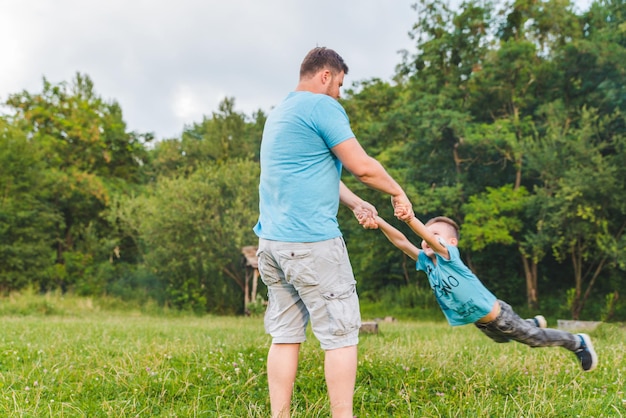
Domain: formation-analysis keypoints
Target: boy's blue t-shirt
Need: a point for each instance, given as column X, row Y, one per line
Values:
column 300, row 175
column 460, row 294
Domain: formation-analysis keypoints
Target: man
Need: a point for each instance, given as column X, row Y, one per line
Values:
column 303, row 259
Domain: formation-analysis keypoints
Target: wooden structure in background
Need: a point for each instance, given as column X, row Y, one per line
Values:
column 251, row 264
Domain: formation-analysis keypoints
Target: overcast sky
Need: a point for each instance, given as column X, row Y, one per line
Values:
column 168, row 63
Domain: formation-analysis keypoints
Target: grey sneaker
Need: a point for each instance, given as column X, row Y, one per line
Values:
column 538, row 321
column 586, row 354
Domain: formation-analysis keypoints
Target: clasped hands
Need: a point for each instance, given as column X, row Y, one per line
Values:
column 366, row 213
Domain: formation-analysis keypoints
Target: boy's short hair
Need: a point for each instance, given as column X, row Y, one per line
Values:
column 445, row 220
column 319, row 58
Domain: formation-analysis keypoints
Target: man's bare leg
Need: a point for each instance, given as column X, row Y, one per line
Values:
column 282, row 365
column 340, row 369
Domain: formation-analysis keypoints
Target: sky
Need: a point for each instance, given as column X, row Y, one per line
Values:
column 170, row 63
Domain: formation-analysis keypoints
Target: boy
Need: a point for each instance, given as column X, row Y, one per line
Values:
column 464, row 299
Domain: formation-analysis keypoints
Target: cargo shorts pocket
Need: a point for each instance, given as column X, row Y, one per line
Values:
column 343, row 309
column 267, row 269
column 299, row 267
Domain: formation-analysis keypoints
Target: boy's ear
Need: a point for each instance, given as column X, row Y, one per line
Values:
column 454, row 241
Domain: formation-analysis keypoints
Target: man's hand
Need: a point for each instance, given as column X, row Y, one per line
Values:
column 366, row 214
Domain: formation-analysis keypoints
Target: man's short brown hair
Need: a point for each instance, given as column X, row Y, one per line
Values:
column 319, row 58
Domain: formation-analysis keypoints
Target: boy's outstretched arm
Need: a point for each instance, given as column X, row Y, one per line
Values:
column 431, row 239
column 420, row 229
column 397, row 238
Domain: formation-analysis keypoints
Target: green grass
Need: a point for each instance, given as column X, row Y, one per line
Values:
column 72, row 358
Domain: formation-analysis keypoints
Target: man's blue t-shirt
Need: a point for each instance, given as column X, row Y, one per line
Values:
column 460, row 294
column 299, row 186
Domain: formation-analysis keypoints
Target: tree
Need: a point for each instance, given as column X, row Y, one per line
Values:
column 497, row 217
column 582, row 197
column 192, row 229
column 86, row 154
column 27, row 219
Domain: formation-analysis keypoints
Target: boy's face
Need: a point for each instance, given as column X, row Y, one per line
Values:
column 442, row 231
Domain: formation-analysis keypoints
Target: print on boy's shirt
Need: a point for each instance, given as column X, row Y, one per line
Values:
column 464, row 311
column 442, row 287
column 467, row 309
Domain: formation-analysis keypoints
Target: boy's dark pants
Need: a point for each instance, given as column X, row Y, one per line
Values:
column 509, row 326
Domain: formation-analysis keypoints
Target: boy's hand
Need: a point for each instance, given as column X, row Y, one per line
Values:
column 403, row 214
column 402, row 208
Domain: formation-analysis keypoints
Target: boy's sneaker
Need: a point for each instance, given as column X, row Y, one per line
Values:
column 539, row 321
column 586, row 354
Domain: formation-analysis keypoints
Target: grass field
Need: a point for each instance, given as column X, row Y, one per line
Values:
column 68, row 358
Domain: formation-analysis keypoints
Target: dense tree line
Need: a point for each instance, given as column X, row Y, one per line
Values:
column 508, row 117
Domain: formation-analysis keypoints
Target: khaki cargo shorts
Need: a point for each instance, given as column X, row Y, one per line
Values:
column 310, row 281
